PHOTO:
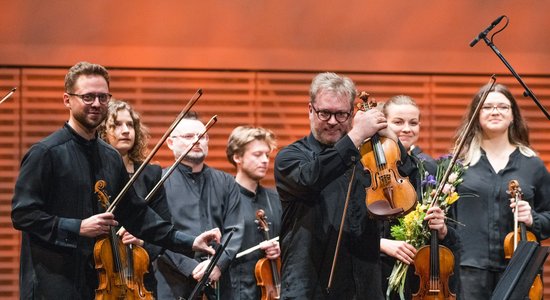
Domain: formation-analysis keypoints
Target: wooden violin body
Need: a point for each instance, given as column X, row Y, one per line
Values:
column 389, row 195
column 264, row 271
column 120, row 267
column 267, row 271
column 434, row 270
column 521, row 233
column 122, row 279
column 509, row 240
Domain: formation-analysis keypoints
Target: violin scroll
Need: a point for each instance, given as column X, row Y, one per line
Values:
column 514, row 190
column 261, row 220
column 367, row 103
column 102, row 195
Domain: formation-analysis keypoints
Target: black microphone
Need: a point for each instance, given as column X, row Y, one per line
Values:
column 486, row 31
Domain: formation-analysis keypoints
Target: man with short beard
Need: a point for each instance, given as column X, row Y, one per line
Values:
column 198, row 197
column 312, row 177
column 56, row 201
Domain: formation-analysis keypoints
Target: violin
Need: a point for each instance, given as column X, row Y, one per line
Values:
column 267, row 270
column 434, row 269
column 120, row 267
column 389, row 195
column 520, row 233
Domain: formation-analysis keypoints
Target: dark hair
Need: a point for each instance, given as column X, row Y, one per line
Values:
column 518, row 133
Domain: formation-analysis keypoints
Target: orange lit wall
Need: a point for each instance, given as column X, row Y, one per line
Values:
column 254, row 61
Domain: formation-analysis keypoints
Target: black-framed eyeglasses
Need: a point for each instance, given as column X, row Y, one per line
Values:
column 501, row 108
column 89, row 98
column 325, row 115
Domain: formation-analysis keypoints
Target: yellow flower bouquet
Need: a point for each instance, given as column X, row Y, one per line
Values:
column 411, row 228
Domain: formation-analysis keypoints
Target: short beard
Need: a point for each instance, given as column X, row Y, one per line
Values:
column 318, row 136
column 90, row 125
column 194, row 159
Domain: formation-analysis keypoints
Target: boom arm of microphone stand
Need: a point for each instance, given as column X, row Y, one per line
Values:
column 199, row 287
column 527, row 92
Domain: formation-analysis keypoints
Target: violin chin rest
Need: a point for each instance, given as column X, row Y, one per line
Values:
column 383, row 209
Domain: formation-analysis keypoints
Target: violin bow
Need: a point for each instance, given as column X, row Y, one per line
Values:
column 210, row 123
column 8, row 95
column 340, row 231
column 254, row 248
column 461, row 141
column 134, row 177
column 199, row 287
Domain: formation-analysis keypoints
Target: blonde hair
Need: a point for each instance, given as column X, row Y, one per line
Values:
column 333, row 83
column 243, row 135
column 399, row 100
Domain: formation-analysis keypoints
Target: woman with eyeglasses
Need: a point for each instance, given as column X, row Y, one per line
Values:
column 497, row 151
column 123, row 130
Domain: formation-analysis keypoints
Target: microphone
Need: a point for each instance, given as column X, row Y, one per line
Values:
column 486, row 31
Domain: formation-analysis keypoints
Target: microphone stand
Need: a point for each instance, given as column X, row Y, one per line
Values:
column 199, row 287
column 527, row 92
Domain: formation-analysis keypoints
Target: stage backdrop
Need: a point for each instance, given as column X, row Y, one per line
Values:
column 254, row 61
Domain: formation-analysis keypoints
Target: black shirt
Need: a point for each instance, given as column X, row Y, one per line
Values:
column 198, row 202
column 53, row 194
column 312, row 181
column 484, row 208
column 243, row 280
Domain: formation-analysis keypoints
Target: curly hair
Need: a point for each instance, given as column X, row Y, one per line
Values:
column 138, row 152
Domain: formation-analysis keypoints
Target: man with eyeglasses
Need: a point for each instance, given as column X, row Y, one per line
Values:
column 312, row 177
column 198, row 197
column 56, row 204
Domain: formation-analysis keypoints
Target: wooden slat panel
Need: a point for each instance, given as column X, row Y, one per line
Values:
column 274, row 100
column 161, row 95
column 10, row 154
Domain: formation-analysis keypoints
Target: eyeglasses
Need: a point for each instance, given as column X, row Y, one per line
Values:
column 191, row 136
column 501, row 108
column 325, row 115
column 90, row 97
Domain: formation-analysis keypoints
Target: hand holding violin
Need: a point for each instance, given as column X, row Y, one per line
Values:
column 128, row 238
column 97, row 225
column 524, row 211
column 366, row 124
column 202, row 242
column 435, row 217
column 271, row 249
